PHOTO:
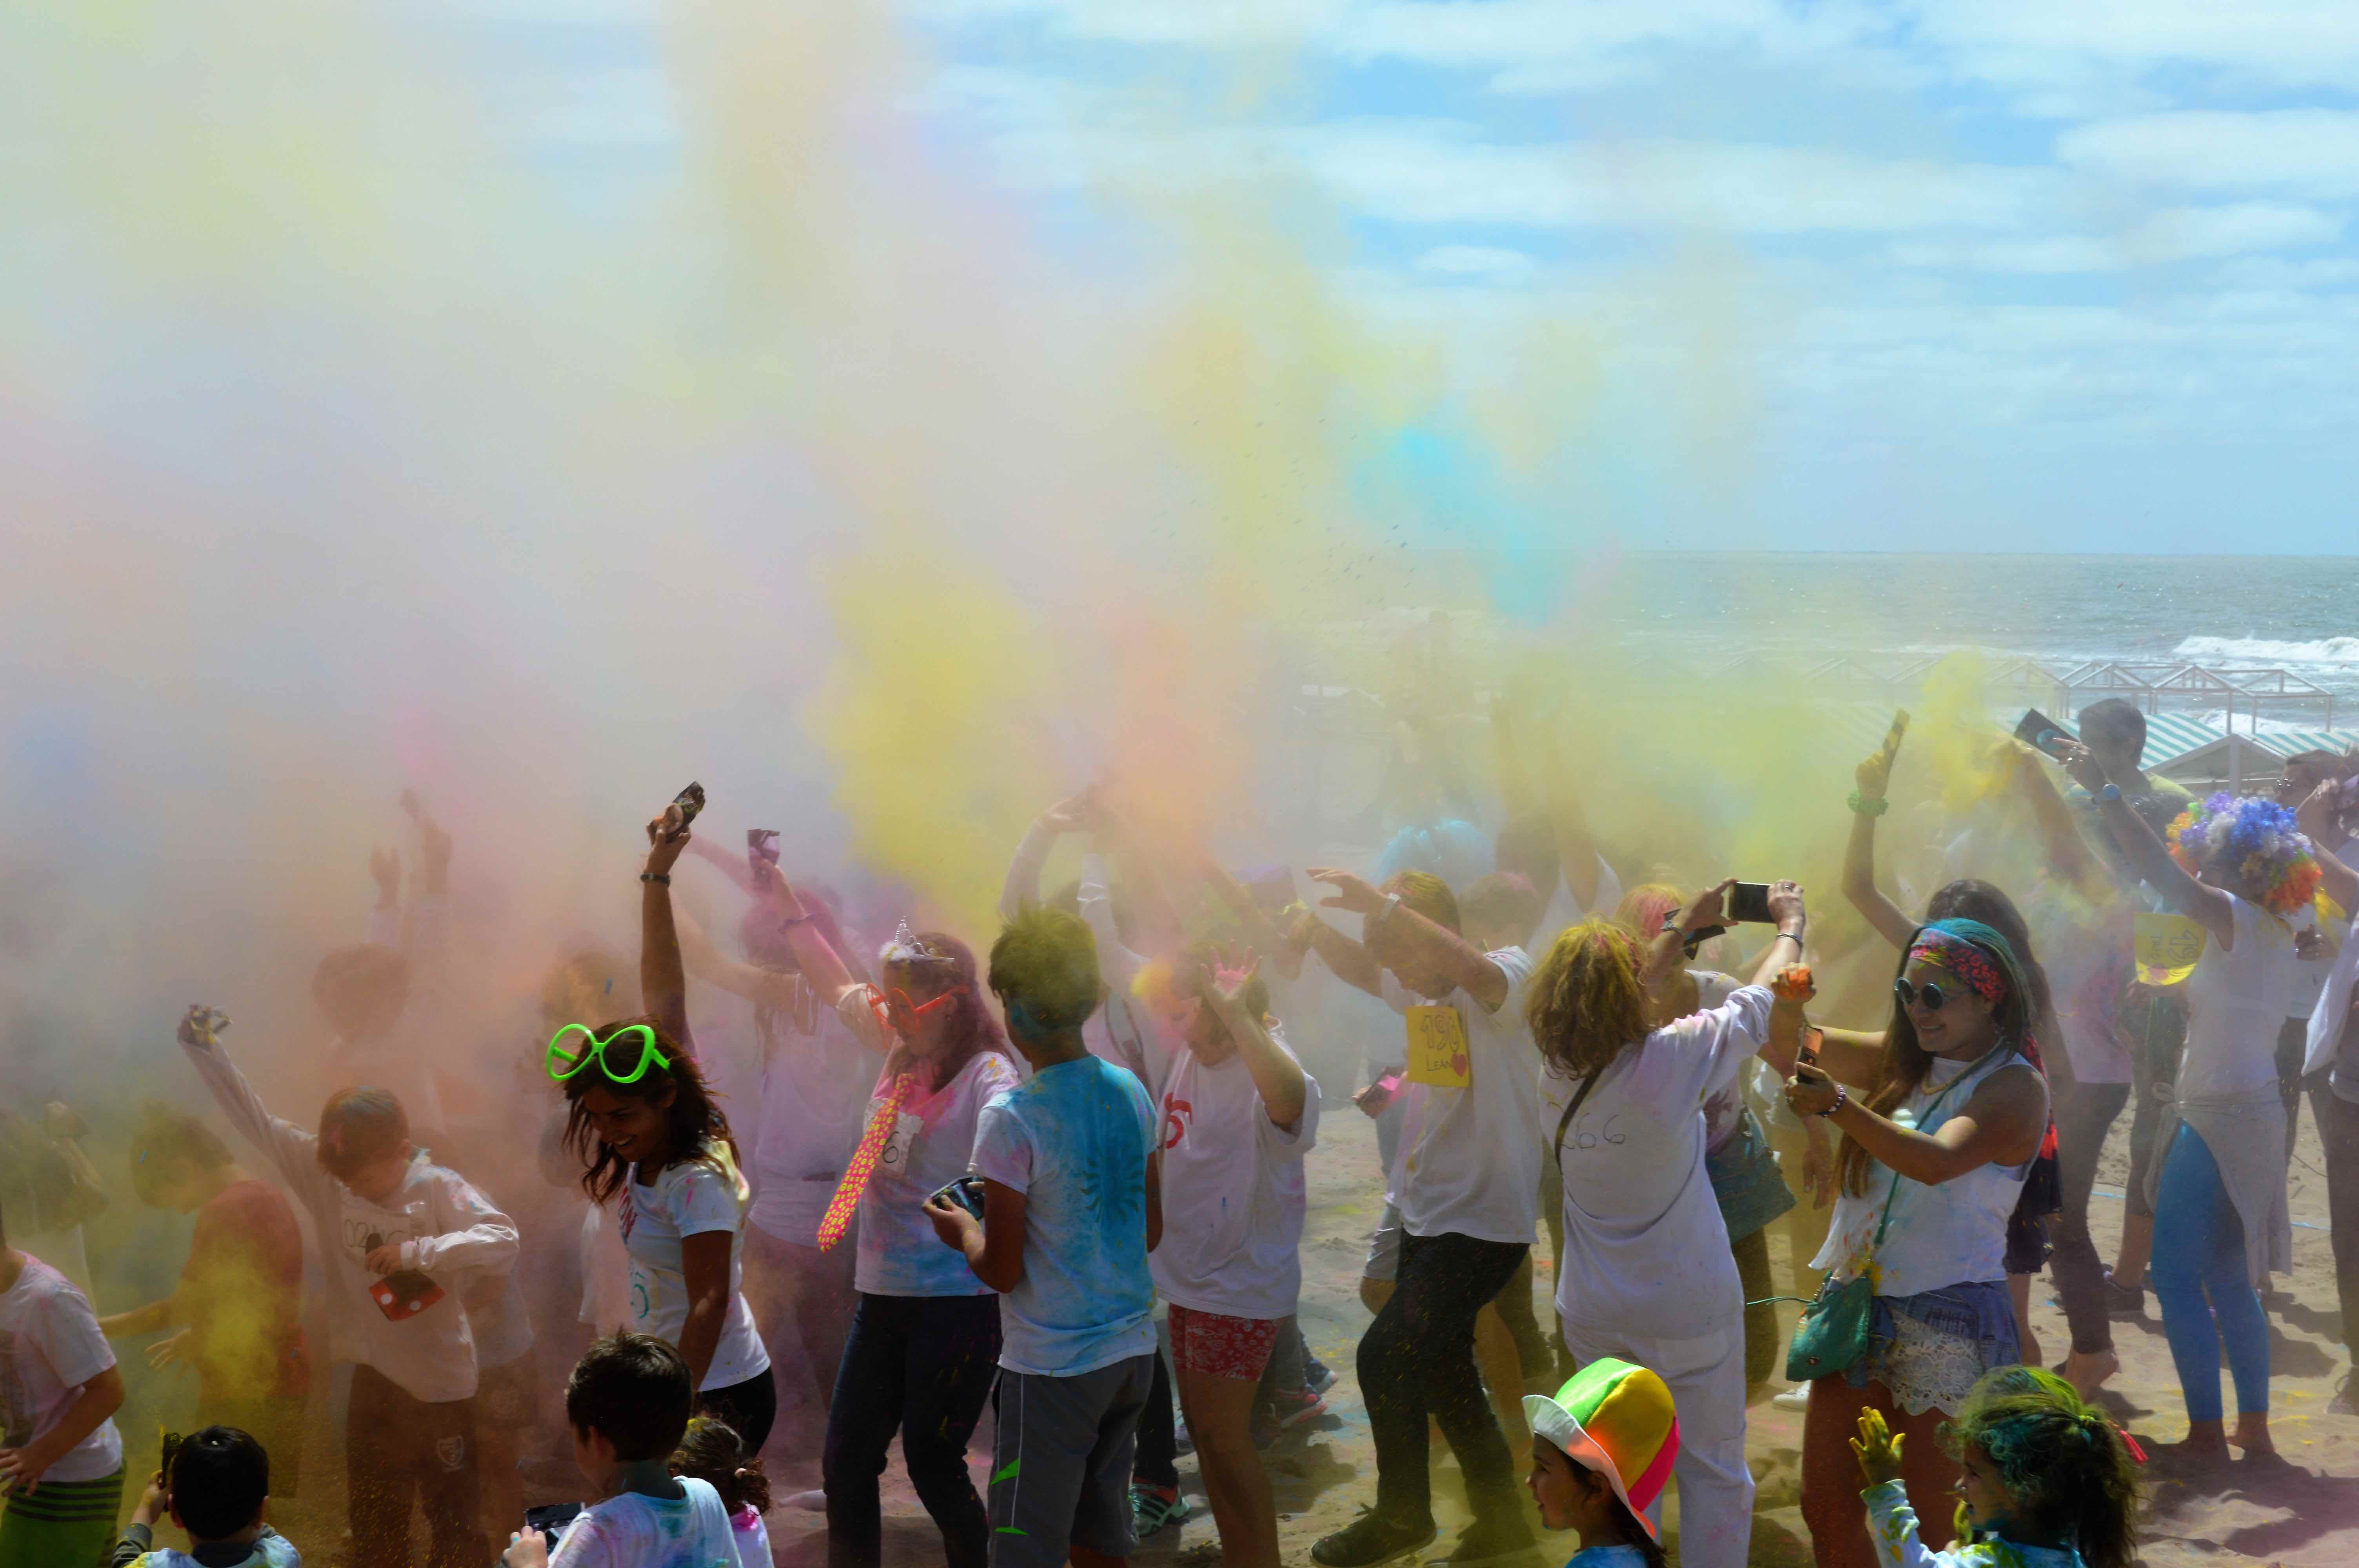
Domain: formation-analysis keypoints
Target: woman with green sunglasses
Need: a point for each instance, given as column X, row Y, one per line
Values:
column 654, row 1143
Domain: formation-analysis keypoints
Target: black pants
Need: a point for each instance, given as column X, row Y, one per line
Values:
column 1156, row 1461
column 751, row 1408
column 2338, row 1129
column 2084, row 1114
column 920, row 1365
column 399, row 1450
column 1534, row 1355
column 1417, row 1360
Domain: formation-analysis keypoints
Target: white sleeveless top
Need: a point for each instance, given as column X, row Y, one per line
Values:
column 1953, row 1233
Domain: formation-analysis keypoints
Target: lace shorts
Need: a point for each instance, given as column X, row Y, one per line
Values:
column 1223, row 1345
column 1930, row 1349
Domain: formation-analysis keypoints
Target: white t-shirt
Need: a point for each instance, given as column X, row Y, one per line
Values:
column 751, row 1537
column 2236, row 1004
column 932, row 1146
column 633, row 1530
column 1074, row 1138
column 1646, row 1249
column 814, row 1089
column 1469, row 1162
column 1232, row 1190
column 694, row 1197
column 49, row 1347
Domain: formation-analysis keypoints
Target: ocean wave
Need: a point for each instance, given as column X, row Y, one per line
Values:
column 2325, row 651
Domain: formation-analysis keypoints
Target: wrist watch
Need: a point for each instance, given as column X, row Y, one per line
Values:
column 2111, row 792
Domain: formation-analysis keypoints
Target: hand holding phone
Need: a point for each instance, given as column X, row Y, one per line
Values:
column 2042, row 733
column 761, row 848
column 688, row 802
column 966, row 1192
column 1748, row 904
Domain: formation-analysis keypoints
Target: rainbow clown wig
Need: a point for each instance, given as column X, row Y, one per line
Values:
column 2254, row 839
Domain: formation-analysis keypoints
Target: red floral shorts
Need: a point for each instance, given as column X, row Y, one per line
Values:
column 1221, row 1346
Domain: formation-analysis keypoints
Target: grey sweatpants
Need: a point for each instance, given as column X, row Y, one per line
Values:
column 1060, row 1463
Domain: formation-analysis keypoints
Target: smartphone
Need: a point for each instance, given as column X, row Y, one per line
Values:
column 761, row 847
column 172, row 1440
column 1748, row 904
column 550, row 1519
column 691, row 801
column 2042, row 733
column 966, row 1192
column 1808, row 1052
column 1377, row 1098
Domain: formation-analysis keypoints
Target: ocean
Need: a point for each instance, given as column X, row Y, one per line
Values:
column 2296, row 614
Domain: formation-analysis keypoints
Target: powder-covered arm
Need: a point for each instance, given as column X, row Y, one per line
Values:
column 1892, row 1525
column 288, row 1147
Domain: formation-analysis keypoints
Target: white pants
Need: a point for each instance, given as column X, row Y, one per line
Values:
column 1706, row 1377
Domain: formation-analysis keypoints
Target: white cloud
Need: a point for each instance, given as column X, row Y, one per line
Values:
column 1490, row 262
column 2173, row 234
column 2292, row 42
column 2311, row 150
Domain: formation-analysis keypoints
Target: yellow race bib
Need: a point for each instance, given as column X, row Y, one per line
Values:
column 1437, row 1048
column 2168, row 947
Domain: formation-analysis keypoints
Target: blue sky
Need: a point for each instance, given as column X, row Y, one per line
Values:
column 2004, row 274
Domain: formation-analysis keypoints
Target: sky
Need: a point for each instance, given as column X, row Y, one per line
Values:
column 1997, row 275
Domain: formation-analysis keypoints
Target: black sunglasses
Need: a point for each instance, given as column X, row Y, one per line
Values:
column 1930, row 994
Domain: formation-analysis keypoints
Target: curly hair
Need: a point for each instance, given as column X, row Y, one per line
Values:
column 1584, row 1002
column 2069, row 1476
column 2252, row 839
column 694, row 1123
column 711, row 1450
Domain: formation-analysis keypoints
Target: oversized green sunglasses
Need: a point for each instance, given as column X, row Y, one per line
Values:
column 562, row 1064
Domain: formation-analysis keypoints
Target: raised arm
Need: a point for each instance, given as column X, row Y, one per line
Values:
column 765, row 988
column 1261, row 933
column 736, row 868
column 2068, row 853
column 1347, row 960
column 286, row 1146
column 2211, row 907
column 1890, row 922
column 1022, row 888
column 821, row 965
column 1457, row 959
column 1276, row 1077
column 663, row 979
column 2317, row 817
column 1786, row 948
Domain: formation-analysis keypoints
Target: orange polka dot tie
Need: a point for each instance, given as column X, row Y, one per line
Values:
column 841, row 1208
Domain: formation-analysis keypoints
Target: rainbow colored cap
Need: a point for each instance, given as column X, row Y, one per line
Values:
column 1618, row 1420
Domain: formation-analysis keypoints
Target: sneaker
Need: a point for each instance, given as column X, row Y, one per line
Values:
column 811, row 1502
column 1183, row 1442
column 1292, row 1409
column 1369, row 1539
column 1792, row 1400
column 1499, row 1537
column 1317, row 1376
column 1154, row 1509
column 2123, row 1301
column 2346, row 1400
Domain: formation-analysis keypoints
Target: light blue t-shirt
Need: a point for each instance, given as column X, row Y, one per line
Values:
column 1073, row 1139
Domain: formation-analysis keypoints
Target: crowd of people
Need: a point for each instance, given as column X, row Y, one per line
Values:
column 902, row 1183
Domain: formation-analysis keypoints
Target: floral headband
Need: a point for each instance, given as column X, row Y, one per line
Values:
column 1962, row 958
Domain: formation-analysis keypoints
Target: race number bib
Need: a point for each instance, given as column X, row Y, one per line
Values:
column 1437, row 1048
column 2168, row 947
column 893, row 1159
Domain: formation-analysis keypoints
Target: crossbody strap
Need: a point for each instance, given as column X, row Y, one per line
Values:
column 1573, row 1109
column 1932, row 1105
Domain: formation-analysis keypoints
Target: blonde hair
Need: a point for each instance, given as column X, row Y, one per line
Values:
column 1585, row 1002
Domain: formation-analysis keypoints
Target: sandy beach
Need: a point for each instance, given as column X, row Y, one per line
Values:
column 2303, row 1513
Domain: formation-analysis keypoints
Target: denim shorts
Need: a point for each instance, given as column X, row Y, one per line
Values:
column 1929, row 1349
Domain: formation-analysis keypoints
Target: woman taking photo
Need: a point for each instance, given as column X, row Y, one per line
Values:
column 925, row 1334
column 2240, row 869
column 642, row 1121
column 1647, row 1276
column 1950, row 1115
